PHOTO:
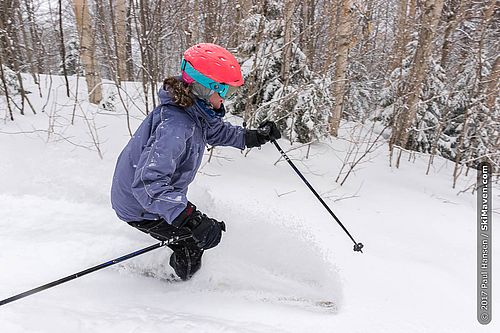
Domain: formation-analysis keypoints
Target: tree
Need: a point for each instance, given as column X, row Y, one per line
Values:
column 406, row 116
column 279, row 87
column 72, row 58
column 121, row 39
column 88, row 54
column 344, row 33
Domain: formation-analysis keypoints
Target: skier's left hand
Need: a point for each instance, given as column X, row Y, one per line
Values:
column 269, row 130
column 266, row 132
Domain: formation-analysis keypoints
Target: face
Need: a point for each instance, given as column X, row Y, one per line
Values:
column 216, row 100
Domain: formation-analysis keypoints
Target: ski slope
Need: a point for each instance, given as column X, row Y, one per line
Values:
column 283, row 265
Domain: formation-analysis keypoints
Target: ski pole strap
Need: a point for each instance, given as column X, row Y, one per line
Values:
column 357, row 246
column 171, row 240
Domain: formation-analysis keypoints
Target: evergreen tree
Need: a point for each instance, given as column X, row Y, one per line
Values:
column 72, row 61
column 11, row 82
column 301, row 104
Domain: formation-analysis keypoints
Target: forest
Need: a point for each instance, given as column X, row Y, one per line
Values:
column 419, row 76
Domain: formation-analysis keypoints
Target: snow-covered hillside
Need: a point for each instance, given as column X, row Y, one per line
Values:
column 283, row 265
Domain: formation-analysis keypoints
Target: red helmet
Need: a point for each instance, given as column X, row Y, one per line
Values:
column 214, row 62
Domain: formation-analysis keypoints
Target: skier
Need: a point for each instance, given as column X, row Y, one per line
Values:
column 161, row 159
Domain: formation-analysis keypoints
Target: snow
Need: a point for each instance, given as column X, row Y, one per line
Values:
column 282, row 253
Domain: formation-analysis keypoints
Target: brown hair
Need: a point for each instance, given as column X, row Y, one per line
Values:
column 180, row 90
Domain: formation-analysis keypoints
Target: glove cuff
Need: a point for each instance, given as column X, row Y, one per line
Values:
column 254, row 139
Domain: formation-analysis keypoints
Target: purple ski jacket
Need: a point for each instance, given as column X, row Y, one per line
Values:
column 161, row 159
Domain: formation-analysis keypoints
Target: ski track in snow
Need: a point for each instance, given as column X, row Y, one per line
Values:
column 279, row 263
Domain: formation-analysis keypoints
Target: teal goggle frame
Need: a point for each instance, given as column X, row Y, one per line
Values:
column 224, row 90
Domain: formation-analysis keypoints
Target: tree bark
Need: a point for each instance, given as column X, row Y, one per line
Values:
column 7, row 7
column 87, row 50
column 308, row 35
column 62, row 48
column 210, row 14
column 287, row 47
column 344, row 34
column 400, row 37
column 196, row 24
column 4, row 83
column 128, row 45
column 121, row 39
column 330, row 41
column 453, row 18
column 493, row 86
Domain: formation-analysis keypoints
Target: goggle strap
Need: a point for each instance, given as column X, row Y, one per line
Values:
column 207, row 82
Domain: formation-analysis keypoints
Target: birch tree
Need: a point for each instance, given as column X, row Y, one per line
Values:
column 344, row 34
column 121, row 39
column 405, row 118
column 87, row 44
column 289, row 7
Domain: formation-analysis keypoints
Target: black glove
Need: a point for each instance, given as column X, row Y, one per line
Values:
column 206, row 231
column 265, row 132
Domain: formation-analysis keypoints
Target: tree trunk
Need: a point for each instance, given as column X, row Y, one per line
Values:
column 344, row 34
column 62, row 48
column 6, row 89
column 481, row 32
column 210, row 14
column 404, row 121
column 128, row 45
column 104, row 22
column 312, row 34
column 367, row 27
column 14, row 46
column 36, row 43
column 121, row 39
column 308, row 31
column 453, row 18
column 87, row 45
column 196, row 22
column 330, row 41
column 7, row 7
column 400, row 38
column 27, row 46
column 493, row 85
column 287, row 47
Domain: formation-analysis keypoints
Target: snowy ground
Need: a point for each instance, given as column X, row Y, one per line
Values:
column 281, row 255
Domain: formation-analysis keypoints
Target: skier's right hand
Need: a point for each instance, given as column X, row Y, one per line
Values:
column 206, row 231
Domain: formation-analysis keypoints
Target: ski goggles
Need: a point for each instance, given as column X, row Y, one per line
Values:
column 224, row 90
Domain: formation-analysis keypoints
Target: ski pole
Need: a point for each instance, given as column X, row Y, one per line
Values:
column 357, row 246
column 171, row 240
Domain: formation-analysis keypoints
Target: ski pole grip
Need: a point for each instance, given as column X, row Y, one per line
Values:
column 266, row 130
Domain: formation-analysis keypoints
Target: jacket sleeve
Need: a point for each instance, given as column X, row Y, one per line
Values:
column 224, row 134
column 152, row 186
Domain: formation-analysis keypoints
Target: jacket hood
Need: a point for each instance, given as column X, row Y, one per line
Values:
column 199, row 111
